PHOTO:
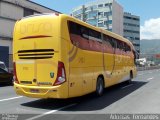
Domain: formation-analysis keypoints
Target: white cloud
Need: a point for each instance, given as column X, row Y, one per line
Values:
column 151, row 29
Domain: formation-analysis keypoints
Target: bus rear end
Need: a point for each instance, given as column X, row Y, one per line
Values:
column 38, row 69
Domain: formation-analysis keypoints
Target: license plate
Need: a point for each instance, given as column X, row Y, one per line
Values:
column 34, row 90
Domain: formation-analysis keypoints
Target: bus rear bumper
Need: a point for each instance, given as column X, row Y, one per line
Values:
column 41, row 92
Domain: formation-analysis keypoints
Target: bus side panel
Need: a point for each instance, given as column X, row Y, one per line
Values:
column 68, row 55
column 108, row 69
column 123, row 75
column 93, row 68
column 75, row 72
column 88, row 80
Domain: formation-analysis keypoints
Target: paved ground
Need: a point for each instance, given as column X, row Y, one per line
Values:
column 142, row 96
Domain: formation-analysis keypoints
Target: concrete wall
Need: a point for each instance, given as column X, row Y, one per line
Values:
column 11, row 11
column 117, row 12
column 31, row 5
column 6, row 27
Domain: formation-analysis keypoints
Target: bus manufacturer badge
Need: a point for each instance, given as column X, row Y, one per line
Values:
column 51, row 74
column 34, row 80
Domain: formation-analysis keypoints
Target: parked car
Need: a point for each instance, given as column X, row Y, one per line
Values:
column 6, row 77
column 3, row 66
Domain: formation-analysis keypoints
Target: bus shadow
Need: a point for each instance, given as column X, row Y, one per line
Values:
column 88, row 102
column 5, row 85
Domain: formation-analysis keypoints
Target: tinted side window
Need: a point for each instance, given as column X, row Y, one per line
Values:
column 84, row 32
column 95, row 34
column 85, row 38
column 74, row 28
column 128, row 49
column 77, row 29
column 114, row 42
column 120, row 45
column 108, row 44
column 108, row 40
column 79, row 35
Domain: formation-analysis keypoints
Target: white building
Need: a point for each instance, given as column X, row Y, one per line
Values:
column 106, row 14
column 10, row 12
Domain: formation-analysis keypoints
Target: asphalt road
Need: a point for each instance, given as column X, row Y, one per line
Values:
column 142, row 96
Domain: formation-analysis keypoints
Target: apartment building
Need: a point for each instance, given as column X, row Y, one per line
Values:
column 106, row 14
column 132, row 29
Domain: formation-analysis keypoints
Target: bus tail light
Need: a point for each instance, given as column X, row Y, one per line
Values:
column 15, row 74
column 61, row 74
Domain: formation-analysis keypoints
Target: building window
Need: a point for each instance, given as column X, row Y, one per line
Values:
column 127, row 17
column 110, row 30
column 132, row 25
column 108, row 4
column 106, row 14
column 100, row 24
column 100, row 14
column 137, row 38
column 92, row 7
column 107, row 22
column 100, row 21
column 92, row 22
column 78, row 17
column 136, row 19
column 131, row 18
column 136, row 45
column 108, row 26
column 100, row 5
column 28, row 12
column 131, row 31
column 92, row 14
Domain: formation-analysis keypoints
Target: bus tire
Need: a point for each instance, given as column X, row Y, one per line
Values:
column 131, row 77
column 100, row 86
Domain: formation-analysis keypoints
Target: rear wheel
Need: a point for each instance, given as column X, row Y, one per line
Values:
column 100, row 86
column 131, row 77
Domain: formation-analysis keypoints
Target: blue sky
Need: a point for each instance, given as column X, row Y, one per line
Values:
column 146, row 9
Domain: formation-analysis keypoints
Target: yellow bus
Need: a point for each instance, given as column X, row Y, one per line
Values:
column 58, row 56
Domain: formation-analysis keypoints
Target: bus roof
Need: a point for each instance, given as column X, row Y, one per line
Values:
column 67, row 17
